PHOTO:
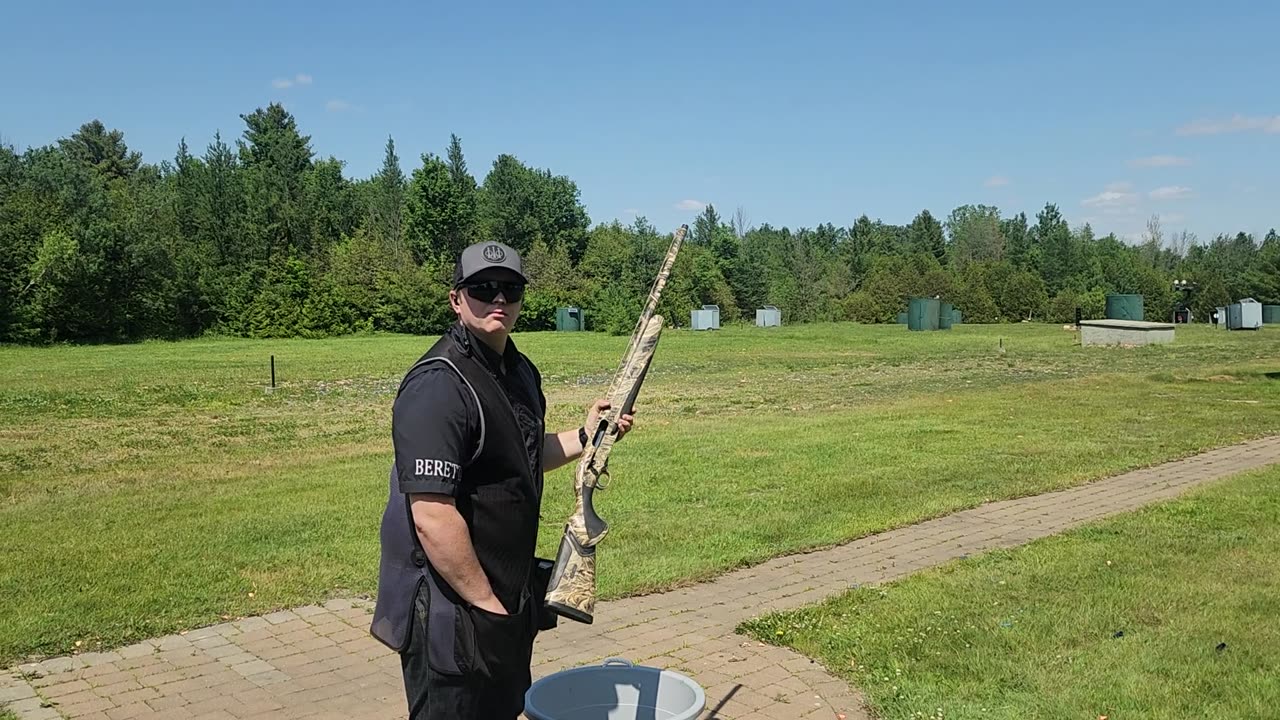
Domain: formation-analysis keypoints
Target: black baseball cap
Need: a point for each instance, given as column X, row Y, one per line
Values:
column 484, row 256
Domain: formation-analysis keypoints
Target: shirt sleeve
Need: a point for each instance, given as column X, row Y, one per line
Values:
column 434, row 430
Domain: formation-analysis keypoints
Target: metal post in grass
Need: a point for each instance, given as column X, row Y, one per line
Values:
column 273, row 372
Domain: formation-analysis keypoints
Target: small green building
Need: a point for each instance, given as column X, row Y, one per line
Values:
column 1122, row 306
column 570, row 319
column 922, row 313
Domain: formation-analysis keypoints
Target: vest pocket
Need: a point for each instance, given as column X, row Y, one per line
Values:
column 502, row 645
column 463, row 639
column 450, row 645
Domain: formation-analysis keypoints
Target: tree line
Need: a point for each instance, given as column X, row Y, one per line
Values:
column 262, row 238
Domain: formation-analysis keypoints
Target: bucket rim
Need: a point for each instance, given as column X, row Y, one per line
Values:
column 617, row 663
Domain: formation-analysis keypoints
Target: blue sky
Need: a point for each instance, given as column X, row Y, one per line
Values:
column 801, row 112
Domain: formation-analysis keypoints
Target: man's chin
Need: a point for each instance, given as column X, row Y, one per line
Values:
column 499, row 324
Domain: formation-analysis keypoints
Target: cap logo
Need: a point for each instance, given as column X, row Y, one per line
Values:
column 494, row 254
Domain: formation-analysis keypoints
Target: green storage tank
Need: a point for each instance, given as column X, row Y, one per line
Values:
column 570, row 319
column 922, row 314
column 902, row 318
column 1271, row 314
column 955, row 317
column 1124, row 307
column 946, row 315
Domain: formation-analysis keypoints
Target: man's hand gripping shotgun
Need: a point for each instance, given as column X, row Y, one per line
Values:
column 572, row 590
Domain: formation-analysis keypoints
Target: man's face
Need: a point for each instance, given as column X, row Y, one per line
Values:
column 488, row 310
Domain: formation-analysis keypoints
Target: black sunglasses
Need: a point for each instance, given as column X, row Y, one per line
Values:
column 487, row 291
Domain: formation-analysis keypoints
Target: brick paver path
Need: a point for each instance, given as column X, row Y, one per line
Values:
column 320, row 662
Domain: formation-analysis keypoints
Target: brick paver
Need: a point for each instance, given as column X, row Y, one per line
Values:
column 319, row 662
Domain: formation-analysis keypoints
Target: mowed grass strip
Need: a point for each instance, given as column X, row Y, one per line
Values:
column 153, row 487
column 121, row 415
column 1166, row 612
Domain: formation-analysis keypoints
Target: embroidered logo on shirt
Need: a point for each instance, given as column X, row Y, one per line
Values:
column 435, row 468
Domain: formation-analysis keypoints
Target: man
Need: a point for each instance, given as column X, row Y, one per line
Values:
column 458, row 594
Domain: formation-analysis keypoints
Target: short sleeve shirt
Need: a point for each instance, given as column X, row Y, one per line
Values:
column 435, row 429
column 436, row 422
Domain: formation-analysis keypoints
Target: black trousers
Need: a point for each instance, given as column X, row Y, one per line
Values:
column 433, row 695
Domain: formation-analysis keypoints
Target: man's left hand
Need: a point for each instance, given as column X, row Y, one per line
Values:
column 600, row 406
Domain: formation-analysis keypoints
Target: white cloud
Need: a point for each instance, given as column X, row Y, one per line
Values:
column 337, row 105
column 1111, row 200
column 299, row 79
column 690, row 205
column 1159, row 161
column 996, row 181
column 1122, row 186
column 1237, row 123
column 1171, row 192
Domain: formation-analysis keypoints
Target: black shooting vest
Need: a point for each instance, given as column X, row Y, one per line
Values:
column 500, row 497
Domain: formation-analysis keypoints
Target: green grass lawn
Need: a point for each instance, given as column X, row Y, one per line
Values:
column 6, row 714
column 1167, row 612
column 159, row 486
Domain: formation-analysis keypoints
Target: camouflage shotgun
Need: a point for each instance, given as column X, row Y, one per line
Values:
column 572, row 589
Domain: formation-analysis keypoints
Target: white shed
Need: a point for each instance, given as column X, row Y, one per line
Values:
column 708, row 318
column 1245, row 315
column 768, row 316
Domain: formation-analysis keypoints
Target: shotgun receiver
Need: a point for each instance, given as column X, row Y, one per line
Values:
column 572, row 589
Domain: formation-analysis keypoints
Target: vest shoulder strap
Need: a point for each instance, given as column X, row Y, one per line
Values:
column 474, row 396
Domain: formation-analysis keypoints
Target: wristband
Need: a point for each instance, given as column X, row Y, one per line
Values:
column 582, row 436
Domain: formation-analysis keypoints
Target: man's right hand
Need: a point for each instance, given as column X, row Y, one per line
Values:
column 493, row 605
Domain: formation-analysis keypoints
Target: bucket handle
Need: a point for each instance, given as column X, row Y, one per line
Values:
column 617, row 661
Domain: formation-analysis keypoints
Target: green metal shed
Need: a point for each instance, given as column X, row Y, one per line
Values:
column 570, row 319
column 922, row 314
column 1124, row 307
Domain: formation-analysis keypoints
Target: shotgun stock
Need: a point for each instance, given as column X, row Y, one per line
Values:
column 572, row 589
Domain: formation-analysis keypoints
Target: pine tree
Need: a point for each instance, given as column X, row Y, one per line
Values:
column 386, row 207
column 924, row 235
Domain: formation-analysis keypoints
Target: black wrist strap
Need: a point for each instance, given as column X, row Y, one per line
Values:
column 582, row 436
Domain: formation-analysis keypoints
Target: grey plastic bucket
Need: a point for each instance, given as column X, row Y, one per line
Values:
column 614, row 690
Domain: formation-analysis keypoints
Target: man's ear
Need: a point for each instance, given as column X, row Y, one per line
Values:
column 455, row 301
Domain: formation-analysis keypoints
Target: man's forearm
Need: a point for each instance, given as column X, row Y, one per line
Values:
column 444, row 537
column 560, row 448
